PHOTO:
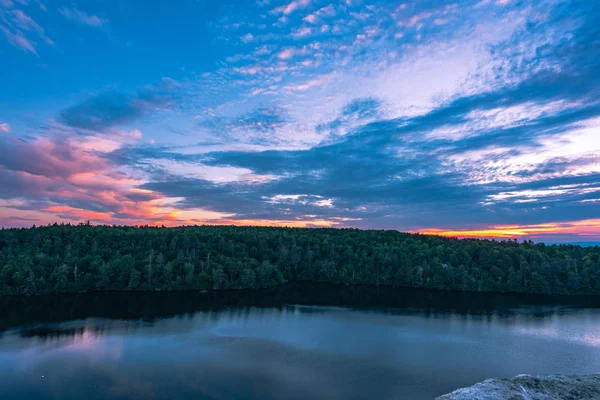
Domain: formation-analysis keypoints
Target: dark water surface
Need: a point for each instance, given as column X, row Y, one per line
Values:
column 296, row 342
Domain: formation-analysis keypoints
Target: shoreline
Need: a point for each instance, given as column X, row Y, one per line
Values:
column 333, row 284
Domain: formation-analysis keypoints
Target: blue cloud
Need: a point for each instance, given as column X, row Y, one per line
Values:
column 102, row 112
column 106, row 110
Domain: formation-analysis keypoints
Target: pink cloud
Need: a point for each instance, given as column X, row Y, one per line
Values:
column 71, row 179
column 48, row 157
column 286, row 53
column 81, row 17
column 17, row 26
column 135, row 134
column 291, row 7
column 302, row 32
column 308, row 84
column 25, row 22
column 4, row 127
column 247, row 38
column 17, row 39
column 328, row 11
column 312, row 18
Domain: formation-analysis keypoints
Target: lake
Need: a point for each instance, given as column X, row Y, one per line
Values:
column 300, row 341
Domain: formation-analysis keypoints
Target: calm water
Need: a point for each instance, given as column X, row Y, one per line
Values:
column 297, row 342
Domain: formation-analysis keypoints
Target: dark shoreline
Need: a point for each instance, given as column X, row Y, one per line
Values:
column 306, row 282
column 25, row 310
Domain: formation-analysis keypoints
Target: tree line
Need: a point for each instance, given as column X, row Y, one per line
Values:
column 84, row 258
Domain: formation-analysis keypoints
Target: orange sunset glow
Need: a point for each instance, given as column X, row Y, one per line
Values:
column 582, row 229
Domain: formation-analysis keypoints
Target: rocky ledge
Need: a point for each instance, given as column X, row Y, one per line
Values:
column 528, row 387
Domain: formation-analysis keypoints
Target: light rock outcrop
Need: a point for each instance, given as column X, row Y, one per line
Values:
column 528, row 387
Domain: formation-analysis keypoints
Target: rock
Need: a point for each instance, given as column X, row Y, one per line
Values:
column 529, row 387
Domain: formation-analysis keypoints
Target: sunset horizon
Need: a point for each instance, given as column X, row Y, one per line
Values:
column 499, row 233
column 474, row 119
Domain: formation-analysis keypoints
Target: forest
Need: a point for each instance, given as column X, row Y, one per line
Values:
column 85, row 258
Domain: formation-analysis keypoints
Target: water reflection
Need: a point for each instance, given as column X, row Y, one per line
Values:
column 298, row 342
column 17, row 311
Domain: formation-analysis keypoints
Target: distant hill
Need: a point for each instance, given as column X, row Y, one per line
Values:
column 582, row 244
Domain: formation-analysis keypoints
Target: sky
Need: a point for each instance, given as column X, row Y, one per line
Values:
column 460, row 118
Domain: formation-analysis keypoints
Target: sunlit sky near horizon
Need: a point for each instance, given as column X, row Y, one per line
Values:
column 462, row 118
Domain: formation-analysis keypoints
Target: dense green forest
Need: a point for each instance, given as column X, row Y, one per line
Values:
column 68, row 258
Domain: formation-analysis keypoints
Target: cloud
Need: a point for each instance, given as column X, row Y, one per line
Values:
column 286, row 53
column 577, row 147
column 320, row 14
column 4, row 127
column 249, row 127
column 300, row 87
column 302, row 32
column 26, row 23
column 550, row 194
column 82, row 18
column 247, row 38
column 72, row 179
column 102, row 112
column 107, row 110
column 18, row 28
column 384, row 168
column 461, row 120
column 135, row 134
column 291, row 7
column 388, row 162
column 357, row 112
column 304, row 199
column 17, row 39
column 44, row 157
column 263, row 119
